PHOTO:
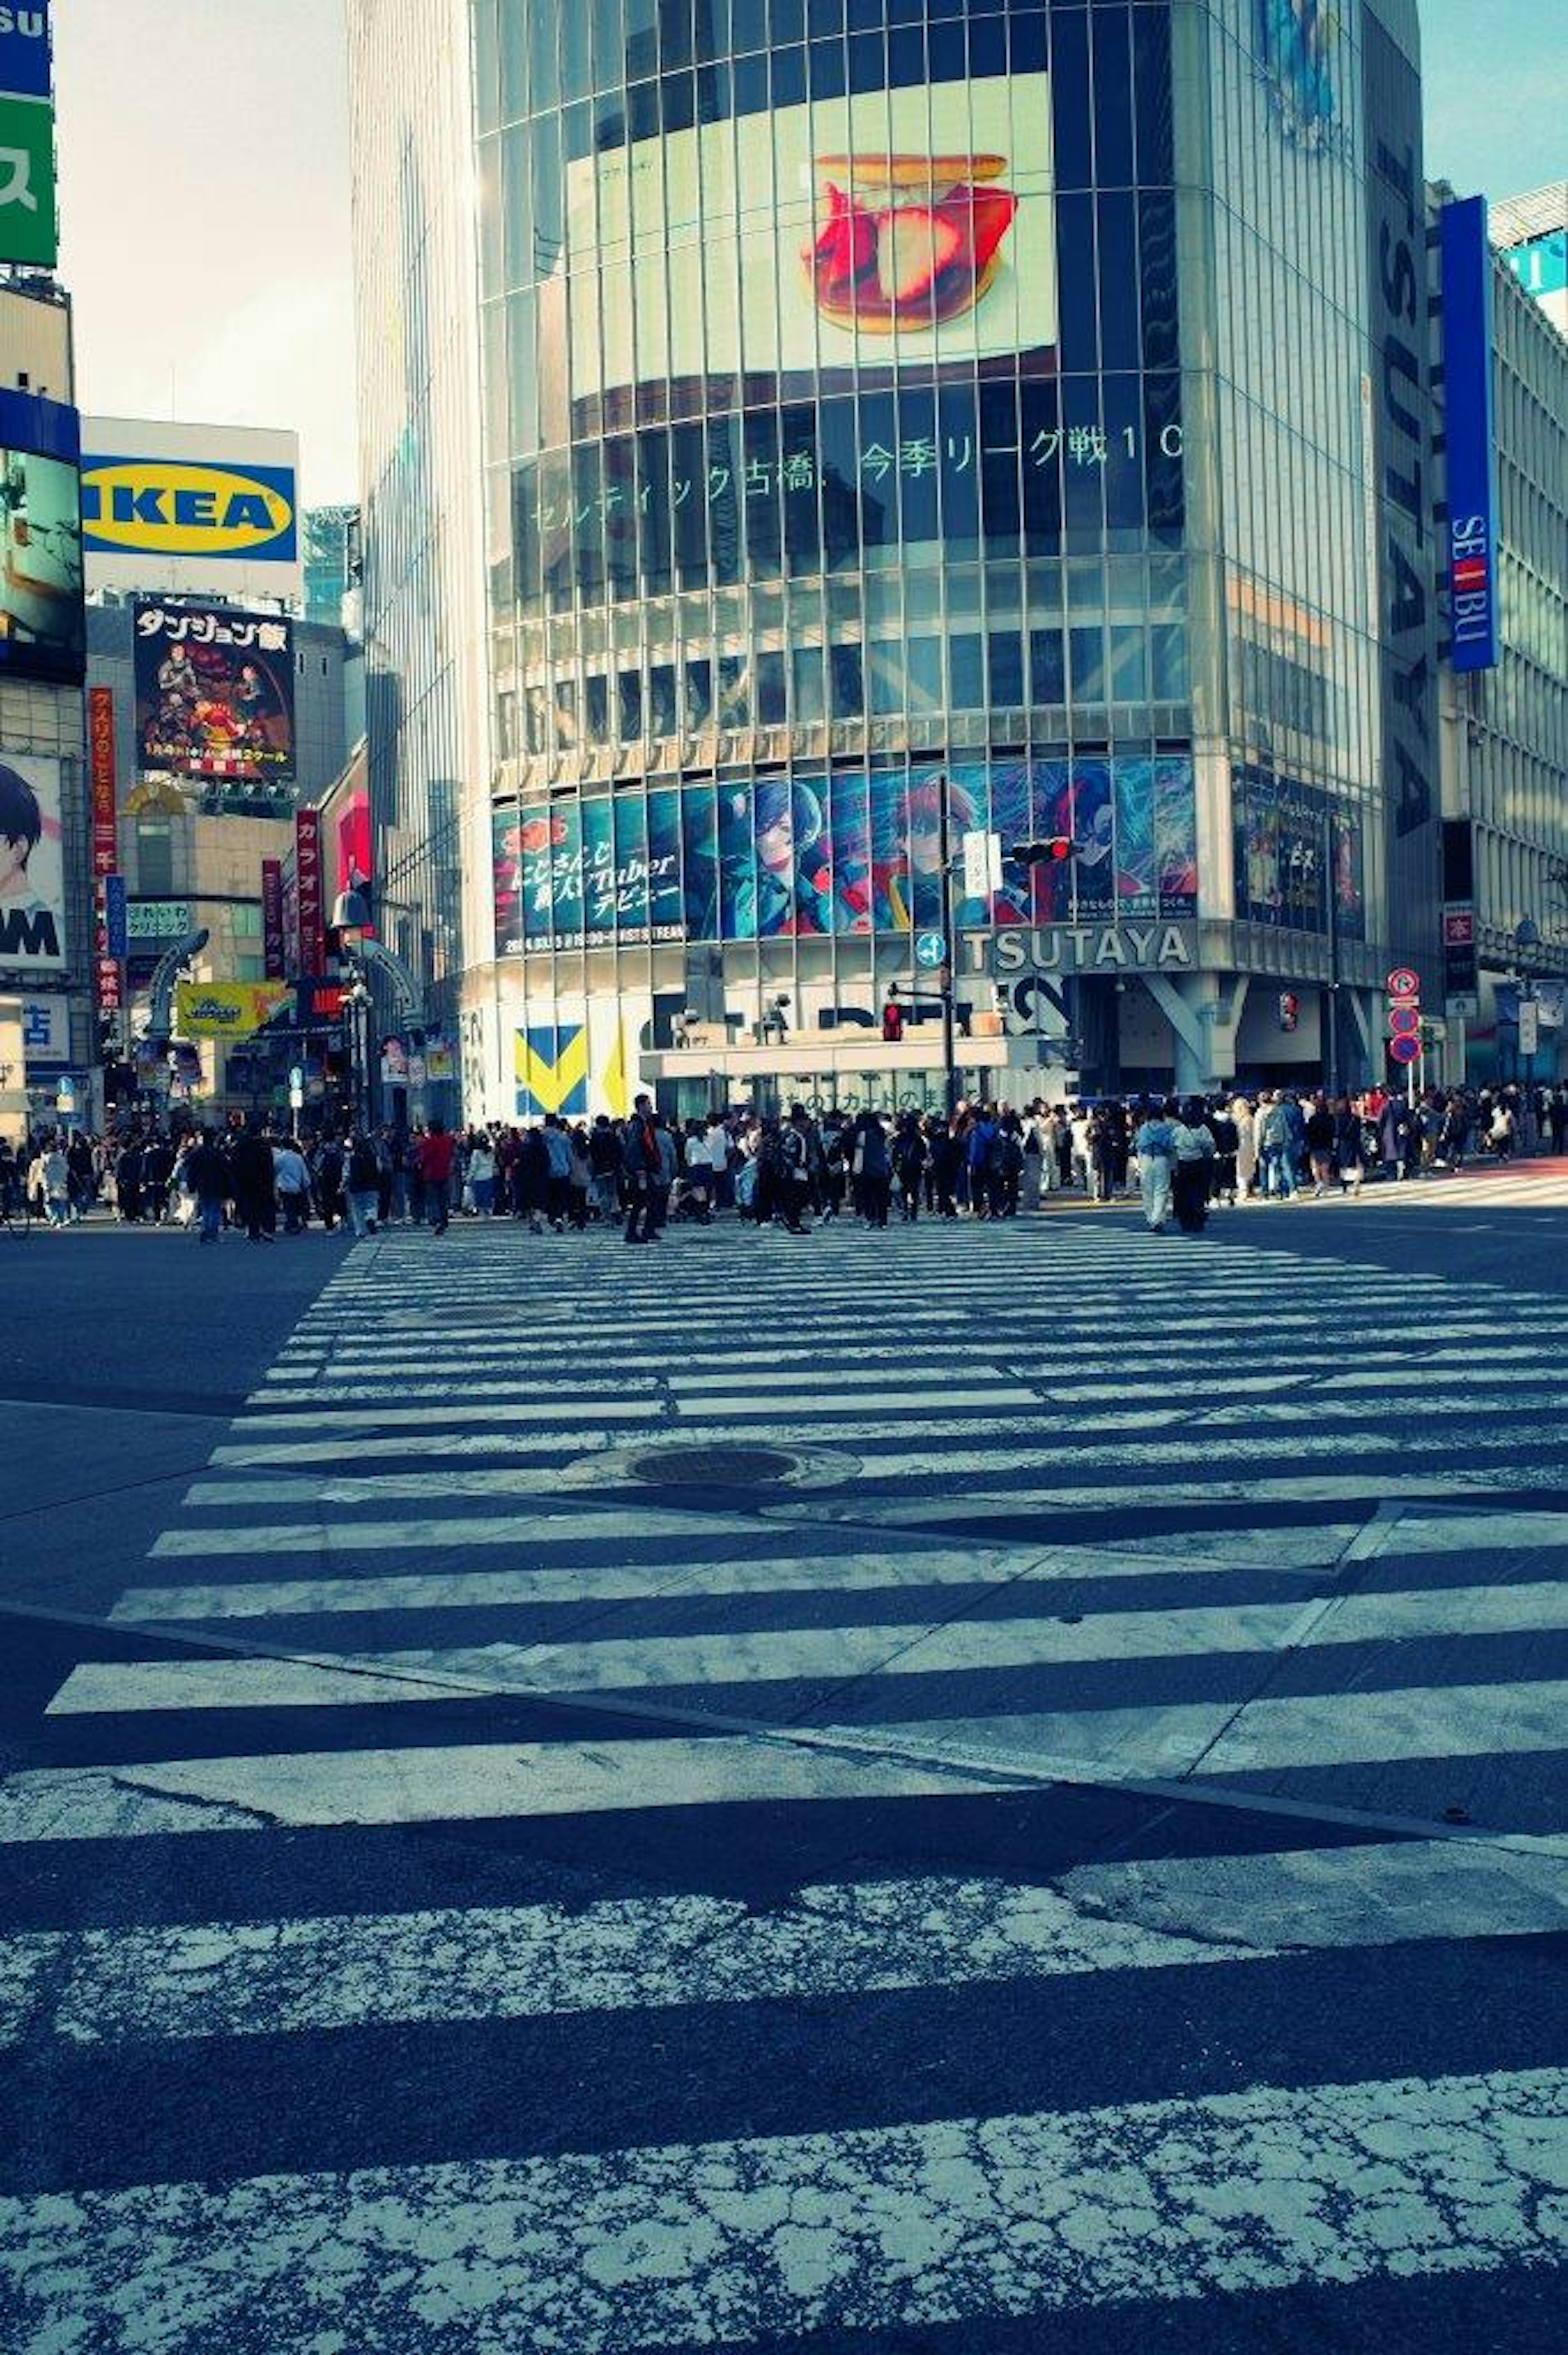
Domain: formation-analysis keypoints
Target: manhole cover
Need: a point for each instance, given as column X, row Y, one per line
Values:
column 713, row 1467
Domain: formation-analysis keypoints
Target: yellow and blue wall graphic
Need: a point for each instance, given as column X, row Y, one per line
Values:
column 553, row 1065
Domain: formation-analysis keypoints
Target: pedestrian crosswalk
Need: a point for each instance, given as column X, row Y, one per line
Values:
column 1483, row 1186
column 1026, row 1860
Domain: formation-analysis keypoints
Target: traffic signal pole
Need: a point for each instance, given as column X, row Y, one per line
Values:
column 945, row 852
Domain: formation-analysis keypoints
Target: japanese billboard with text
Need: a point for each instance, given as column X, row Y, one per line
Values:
column 847, row 851
column 215, row 694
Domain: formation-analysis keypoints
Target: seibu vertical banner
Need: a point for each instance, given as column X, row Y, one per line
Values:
column 1471, row 552
column 311, row 883
column 274, row 964
column 103, row 779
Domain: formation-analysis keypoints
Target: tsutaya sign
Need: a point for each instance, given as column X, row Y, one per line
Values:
column 1083, row 948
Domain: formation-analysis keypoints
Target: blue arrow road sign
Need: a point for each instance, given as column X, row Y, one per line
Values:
column 930, row 950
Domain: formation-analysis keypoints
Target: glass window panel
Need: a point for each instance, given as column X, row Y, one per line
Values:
column 1151, row 68
column 662, row 707
column 629, row 694
column 847, row 683
column 1167, row 646
column 923, row 669
column 1005, row 656
column 1113, row 97
column 1075, row 257
column 1047, row 667
column 699, row 695
column 1070, row 98
column 1116, row 228
column 770, row 700
column 806, row 682
column 1130, row 664
column 884, row 676
column 966, row 665
column 1086, row 649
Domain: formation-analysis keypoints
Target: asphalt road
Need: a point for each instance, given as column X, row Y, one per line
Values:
column 925, row 1795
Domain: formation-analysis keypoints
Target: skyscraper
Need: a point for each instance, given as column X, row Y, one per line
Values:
column 805, row 434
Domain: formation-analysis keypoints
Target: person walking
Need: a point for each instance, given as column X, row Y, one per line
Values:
column 1192, row 1157
column 909, row 1156
column 1319, row 1138
column 1246, row 1119
column 1154, row 1143
column 292, row 1180
column 558, row 1183
column 604, row 1168
column 207, row 1176
column 874, row 1168
column 642, row 1166
column 795, row 1170
column 436, row 1152
column 253, row 1181
column 481, row 1177
column 361, row 1184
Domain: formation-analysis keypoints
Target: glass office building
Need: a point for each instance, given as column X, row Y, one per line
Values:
column 902, row 422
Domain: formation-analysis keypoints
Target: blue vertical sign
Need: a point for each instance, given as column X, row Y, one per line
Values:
column 25, row 50
column 1468, row 388
column 116, row 920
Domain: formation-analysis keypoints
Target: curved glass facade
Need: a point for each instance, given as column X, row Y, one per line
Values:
column 833, row 415
column 901, row 415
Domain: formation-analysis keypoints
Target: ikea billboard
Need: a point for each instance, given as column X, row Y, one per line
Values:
column 196, row 509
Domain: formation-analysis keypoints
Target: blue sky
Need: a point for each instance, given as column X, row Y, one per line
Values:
column 205, row 233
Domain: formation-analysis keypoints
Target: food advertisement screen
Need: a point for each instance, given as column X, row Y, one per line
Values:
column 869, row 230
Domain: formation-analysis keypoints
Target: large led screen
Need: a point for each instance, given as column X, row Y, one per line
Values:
column 856, row 850
column 42, row 628
column 1299, row 861
column 888, row 227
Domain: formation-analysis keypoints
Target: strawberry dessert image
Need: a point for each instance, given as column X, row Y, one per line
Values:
column 906, row 240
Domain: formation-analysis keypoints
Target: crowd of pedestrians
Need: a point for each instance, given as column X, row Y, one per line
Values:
column 986, row 1161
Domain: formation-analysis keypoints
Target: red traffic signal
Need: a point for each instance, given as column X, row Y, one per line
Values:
column 1055, row 851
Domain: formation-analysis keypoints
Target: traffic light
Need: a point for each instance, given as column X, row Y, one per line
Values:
column 1055, row 851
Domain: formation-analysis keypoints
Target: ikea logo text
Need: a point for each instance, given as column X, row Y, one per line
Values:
column 151, row 506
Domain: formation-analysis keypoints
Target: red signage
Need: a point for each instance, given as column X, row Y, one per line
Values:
column 100, row 773
column 1402, row 983
column 311, row 880
column 107, row 987
column 274, row 966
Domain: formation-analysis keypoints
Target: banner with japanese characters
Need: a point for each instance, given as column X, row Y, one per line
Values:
column 215, row 694
column 853, row 850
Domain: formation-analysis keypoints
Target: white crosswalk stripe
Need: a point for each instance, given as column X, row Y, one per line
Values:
column 1092, row 1507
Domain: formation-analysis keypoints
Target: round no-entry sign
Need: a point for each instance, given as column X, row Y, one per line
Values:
column 1405, row 1050
column 1402, row 983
